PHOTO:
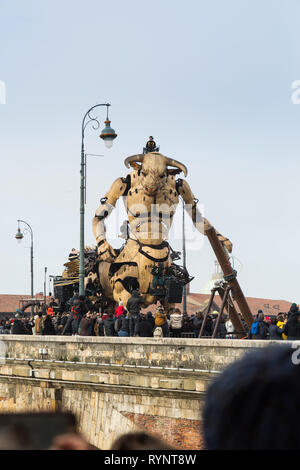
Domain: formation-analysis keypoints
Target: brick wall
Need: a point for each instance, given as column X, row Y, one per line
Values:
column 181, row 433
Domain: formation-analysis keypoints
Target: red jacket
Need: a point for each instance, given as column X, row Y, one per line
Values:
column 119, row 311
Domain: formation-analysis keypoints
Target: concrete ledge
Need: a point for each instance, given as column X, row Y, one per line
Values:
column 166, row 353
column 245, row 343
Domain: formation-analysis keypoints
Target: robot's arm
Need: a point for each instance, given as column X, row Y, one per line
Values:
column 108, row 202
column 200, row 222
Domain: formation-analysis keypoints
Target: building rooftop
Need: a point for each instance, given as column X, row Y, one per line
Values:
column 9, row 303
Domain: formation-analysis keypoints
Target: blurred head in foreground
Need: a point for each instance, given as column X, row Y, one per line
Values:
column 254, row 403
column 139, row 441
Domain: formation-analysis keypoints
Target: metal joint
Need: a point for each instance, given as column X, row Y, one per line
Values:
column 231, row 276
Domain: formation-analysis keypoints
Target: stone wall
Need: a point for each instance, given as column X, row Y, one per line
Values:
column 116, row 385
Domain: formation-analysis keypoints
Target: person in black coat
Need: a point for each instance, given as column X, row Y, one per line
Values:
column 145, row 325
column 123, row 324
column 292, row 327
column 263, row 328
column 67, row 324
column 18, row 327
column 99, row 325
column 85, row 325
column 274, row 331
column 294, row 309
column 109, row 325
column 48, row 327
column 134, row 306
column 79, row 309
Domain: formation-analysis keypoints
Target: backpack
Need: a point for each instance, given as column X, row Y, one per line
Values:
column 254, row 328
column 117, row 324
column 160, row 319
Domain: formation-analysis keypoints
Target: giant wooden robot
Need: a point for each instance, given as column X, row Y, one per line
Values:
column 151, row 194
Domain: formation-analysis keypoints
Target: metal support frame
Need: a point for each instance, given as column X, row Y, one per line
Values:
column 224, row 292
column 183, row 256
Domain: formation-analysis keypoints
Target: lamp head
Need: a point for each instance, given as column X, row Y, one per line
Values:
column 108, row 134
column 19, row 235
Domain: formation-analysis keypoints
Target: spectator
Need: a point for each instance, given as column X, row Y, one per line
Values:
column 175, row 324
column 61, row 323
column 99, row 325
column 197, row 323
column 123, row 324
column 274, row 331
column 53, row 303
column 67, row 321
column 134, row 306
column 293, row 309
column 2, row 327
column 119, row 310
column 18, row 327
column 259, row 328
column 104, row 315
column 268, row 321
column 254, row 403
column 109, row 325
column 187, row 324
column 85, row 325
column 29, row 324
column 93, row 323
column 281, row 321
column 7, row 326
column 161, row 321
column 221, row 332
column 79, row 309
column 208, row 327
column 292, row 326
column 57, row 319
column 38, row 327
column 145, row 325
column 50, row 311
column 229, row 329
column 48, row 327
column 73, row 300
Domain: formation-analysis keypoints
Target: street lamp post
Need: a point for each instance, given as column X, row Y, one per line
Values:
column 45, row 287
column 183, row 256
column 108, row 135
column 19, row 236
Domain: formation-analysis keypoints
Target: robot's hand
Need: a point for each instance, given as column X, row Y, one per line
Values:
column 106, row 252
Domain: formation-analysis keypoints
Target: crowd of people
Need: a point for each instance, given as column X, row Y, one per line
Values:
column 281, row 327
column 81, row 316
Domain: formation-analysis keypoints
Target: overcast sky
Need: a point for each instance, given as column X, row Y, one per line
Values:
column 210, row 80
